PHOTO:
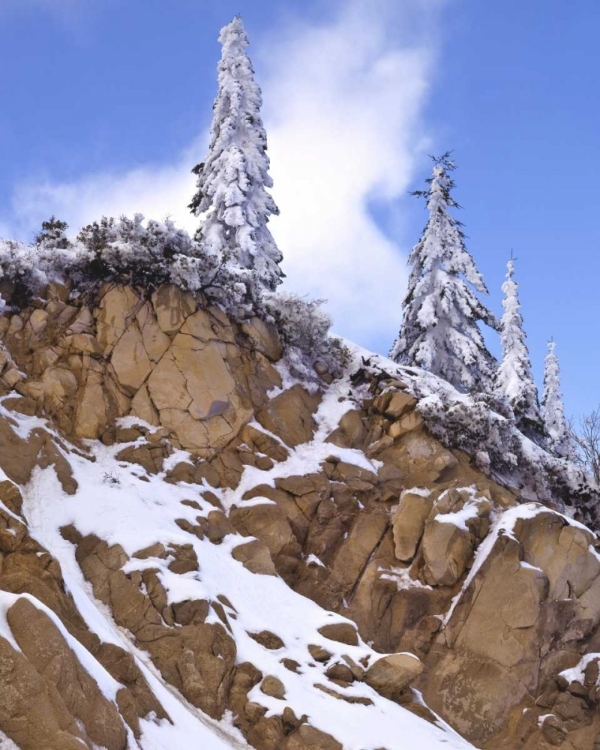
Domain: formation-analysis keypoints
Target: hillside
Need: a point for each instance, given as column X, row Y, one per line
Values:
column 197, row 549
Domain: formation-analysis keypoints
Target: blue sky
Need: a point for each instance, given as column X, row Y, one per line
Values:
column 106, row 106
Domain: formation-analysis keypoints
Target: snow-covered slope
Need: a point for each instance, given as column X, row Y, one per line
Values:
column 123, row 505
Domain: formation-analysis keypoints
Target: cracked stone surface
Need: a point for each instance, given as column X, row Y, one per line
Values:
column 163, row 360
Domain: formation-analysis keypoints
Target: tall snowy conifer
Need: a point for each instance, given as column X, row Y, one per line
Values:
column 514, row 378
column 440, row 311
column 553, row 409
column 232, row 183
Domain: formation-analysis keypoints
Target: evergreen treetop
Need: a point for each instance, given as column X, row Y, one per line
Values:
column 514, row 379
column 232, row 183
column 441, row 312
column 553, row 410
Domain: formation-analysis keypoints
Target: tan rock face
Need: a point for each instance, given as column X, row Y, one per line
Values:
column 167, row 386
column 195, row 657
column 447, row 549
column 60, row 385
column 364, row 543
column 486, row 662
column 130, row 360
column 172, row 307
column 32, row 712
column 155, row 341
column 354, row 554
column 163, row 360
column 46, row 649
column 290, row 416
column 142, row 407
column 409, row 523
column 47, row 699
column 91, row 415
column 264, row 338
column 115, row 311
column 268, row 524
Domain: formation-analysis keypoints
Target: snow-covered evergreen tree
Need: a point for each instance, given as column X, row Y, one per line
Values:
column 232, row 183
column 514, row 378
column 440, row 331
column 553, row 409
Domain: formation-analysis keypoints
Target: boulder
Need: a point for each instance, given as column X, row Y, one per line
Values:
column 268, row 640
column 343, row 632
column 562, row 552
column 38, row 320
column 10, row 496
column 408, row 423
column 340, row 673
column 12, row 376
column 83, row 323
column 83, row 343
column 399, row 404
column 260, row 442
column 44, row 358
column 421, row 459
column 255, row 556
column 351, row 431
column 389, row 675
column 273, row 687
column 265, row 733
column 309, row 738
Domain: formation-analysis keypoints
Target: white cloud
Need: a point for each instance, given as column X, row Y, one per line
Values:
column 344, row 104
column 156, row 191
column 343, row 107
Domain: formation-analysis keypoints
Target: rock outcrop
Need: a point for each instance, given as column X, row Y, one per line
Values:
column 128, row 408
column 166, row 360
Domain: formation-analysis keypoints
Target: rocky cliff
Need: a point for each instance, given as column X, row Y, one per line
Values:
column 198, row 550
